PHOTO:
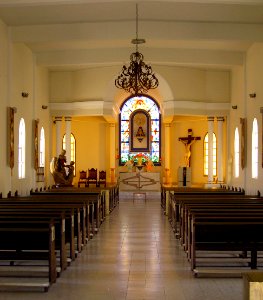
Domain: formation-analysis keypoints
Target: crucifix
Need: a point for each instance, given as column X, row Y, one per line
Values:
column 188, row 141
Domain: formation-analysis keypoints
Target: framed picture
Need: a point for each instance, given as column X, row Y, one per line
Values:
column 243, row 123
column 11, row 142
column 35, row 136
column 140, row 122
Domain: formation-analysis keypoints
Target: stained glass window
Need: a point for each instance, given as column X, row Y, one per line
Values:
column 127, row 108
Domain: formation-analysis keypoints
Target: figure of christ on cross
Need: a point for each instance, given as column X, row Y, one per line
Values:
column 188, row 141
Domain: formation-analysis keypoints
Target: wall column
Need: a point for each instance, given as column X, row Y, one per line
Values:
column 112, row 152
column 210, row 149
column 167, row 130
column 58, row 135
column 68, row 139
column 220, row 121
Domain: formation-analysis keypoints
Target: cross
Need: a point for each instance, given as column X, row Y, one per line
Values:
column 188, row 141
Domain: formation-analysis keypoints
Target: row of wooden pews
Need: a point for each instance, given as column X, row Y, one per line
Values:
column 219, row 229
column 42, row 234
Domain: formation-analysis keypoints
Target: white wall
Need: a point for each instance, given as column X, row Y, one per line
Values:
column 254, row 77
column 185, row 83
column 5, row 172
column 246, row 80
column 18, row 73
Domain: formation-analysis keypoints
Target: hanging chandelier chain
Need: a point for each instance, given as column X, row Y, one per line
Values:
column 138, row 77
column 137, row 26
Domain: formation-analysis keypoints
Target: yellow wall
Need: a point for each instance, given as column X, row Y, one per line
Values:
column 92, row 143
column 179, row 128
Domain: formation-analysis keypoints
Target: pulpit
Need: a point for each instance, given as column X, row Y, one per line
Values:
column 184, row 176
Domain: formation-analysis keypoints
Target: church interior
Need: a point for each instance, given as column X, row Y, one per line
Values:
column 199, row 127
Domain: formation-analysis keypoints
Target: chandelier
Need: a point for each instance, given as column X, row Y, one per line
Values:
column 138, row 77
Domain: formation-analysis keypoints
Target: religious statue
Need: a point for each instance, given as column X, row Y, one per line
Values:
column 63, row 174
column 140, row 134
column 187, row 152
column 188, row 141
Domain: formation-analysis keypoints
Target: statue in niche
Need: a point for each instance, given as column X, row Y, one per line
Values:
column 63, row 174
column 139, row 120
column 140, row 134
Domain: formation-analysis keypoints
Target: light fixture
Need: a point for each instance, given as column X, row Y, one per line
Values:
column 44, row 106
column 138, row 77
column 252, row 95
column 234, row 106
column 25, row 94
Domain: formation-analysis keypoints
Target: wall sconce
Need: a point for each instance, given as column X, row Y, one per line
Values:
column 252, row 95
column 25, row 95
column 234, row 106
column 44, row 106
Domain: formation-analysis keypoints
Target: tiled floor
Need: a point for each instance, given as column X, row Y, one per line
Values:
column 134, row 256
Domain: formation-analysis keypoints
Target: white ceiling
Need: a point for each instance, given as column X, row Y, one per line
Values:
column 82, row 33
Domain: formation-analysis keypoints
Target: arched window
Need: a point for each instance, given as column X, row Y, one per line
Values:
column 147, row 111
column 206, row 155
column 42, row 148
column 236, row 153
column 72, row 149
column 21, row 149
column 254, row 151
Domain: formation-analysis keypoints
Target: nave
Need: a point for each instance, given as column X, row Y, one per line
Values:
column 135, row 256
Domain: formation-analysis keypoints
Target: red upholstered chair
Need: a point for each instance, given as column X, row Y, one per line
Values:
column 102, row 178
column 82, row 178
column 92, row 177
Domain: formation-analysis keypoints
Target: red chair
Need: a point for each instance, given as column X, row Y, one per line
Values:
column 82, row 178
column 92, row 177
column 102, row 178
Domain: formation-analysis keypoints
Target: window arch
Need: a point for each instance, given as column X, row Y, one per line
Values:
column 254, row 151
column 236, row 153
column 150, row 106
column 42, row 148
column 72, row 148
column 206, row 155
column 21, row 149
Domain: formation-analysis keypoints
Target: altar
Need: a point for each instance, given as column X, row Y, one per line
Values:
column 139, row 181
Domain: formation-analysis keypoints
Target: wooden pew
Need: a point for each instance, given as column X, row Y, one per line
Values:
column 91, row 199
column 178, row 202
column 72, row 215
column 228, row 235
column 232, row 216
column 191, row 215
column 17, row 236
column 61, row 223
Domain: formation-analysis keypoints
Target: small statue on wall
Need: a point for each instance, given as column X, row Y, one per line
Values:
column 63, row 174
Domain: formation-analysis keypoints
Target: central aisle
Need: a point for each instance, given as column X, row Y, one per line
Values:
column 135, row 256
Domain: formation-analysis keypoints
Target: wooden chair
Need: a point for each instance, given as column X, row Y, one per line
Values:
column 102, row 178
column 82, row 178
column 92, row 177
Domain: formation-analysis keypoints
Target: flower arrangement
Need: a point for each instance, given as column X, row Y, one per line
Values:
column 140, row 158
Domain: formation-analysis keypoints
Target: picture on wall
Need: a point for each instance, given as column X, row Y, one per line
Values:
column 35, row 136
column 243, row 142
column 10, row 135
column 140, row 131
